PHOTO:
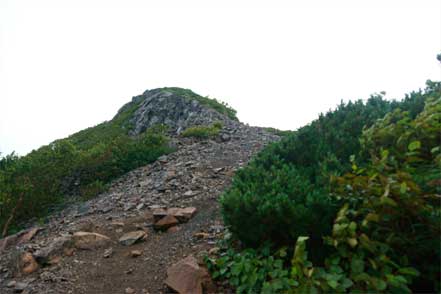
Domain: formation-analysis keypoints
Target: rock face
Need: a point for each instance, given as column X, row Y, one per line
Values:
column 161, row 106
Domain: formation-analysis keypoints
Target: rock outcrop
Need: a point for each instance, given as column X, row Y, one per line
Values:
column 164, row 107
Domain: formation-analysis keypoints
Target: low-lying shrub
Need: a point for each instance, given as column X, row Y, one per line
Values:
column 203, row 132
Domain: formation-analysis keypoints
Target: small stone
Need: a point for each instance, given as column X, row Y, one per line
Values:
column 108, row 253
column 135, row 253
column 214, row 251
column 11, row 284
column 140, row 206
column 217, row 170
column 54, row 260
column 130, row 291
column 225, row 138
column 166, row 222
column 129, row 206
column 117, row 224
column 68, row 251
column 106, row 209
column 20, row 287
column 132, row 237
column 201, row 235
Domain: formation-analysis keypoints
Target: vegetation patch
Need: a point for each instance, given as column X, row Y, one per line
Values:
column 203, row 132
column 357, row 189
column 81, row 165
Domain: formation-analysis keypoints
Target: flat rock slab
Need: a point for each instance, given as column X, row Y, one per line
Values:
column 89, row 241
column 132, row 237
column 166, row 222
column 181, row 214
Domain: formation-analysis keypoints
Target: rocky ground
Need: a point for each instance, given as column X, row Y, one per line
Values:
column 59, row 259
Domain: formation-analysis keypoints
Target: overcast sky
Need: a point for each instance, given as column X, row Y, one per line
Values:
column 68, row 65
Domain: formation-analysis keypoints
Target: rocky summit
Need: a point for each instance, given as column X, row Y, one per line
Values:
column 173, row 107
column 151, row 222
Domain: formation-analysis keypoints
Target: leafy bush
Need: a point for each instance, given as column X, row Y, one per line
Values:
column 203, row 132
column 253, row 271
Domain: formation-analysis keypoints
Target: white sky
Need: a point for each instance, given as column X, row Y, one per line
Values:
column 67, row 65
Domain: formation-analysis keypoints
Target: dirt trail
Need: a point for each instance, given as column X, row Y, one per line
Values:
column 195, row 175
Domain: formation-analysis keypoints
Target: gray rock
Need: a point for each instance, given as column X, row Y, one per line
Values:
column 161, row 106
column 20, row 287
column 132, row 237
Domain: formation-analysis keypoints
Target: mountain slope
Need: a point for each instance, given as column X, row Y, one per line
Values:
column 192, row 176
column 81, row 165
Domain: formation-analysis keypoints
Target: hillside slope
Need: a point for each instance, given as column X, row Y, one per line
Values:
column 80, row 166
column 192, row 176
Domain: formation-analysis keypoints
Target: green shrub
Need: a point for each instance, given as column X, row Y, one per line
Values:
column 385, row 237
column 284, row 192
column 36, row 184
column 203, row 132
column 277, row 204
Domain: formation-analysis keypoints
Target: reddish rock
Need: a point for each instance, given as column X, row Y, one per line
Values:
column 166, row 222
column 186, row 276
column 89, row 241
column 29, row 264
column 181, row 214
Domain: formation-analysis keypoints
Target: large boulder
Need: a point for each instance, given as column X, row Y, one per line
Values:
column 89, row 241
column 186, row 276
